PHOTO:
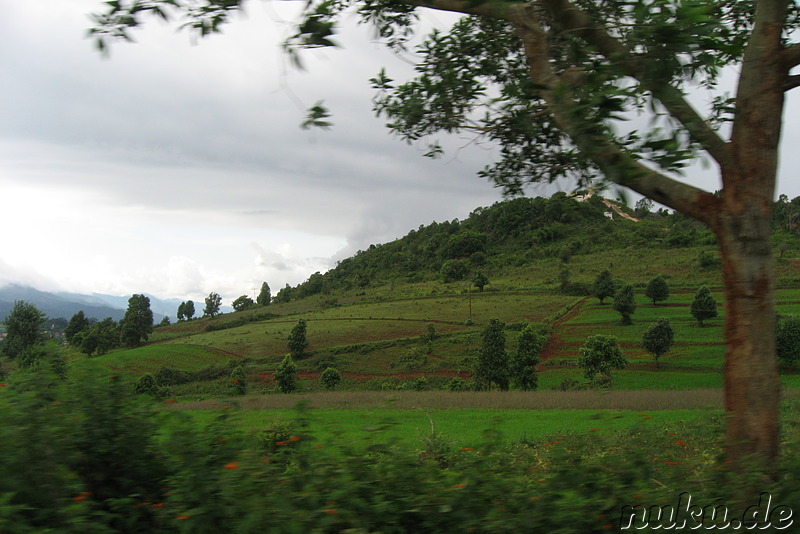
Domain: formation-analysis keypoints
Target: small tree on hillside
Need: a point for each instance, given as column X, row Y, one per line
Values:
column 657, row 289
column 603, row 286
column 23, row 329
column 330, row 378
column 625, row 304
column 238, row 381
column 265, row 295
column 213, row 303
column 787, row 340
column 493, row 366
column 99, row 338
column 599, row 356
column 658, row 339
column 480, row 280
column 297, row 339
column 188, row 310
column 242, row 303
column 524, row 361
column 78, row 323
column 181, row 314
column 137, row 324
column 703, row 306
column 286, row 375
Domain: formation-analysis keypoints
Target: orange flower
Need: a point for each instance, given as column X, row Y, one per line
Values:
column 467, row 449
column 680, row 442
column 170, row 400
column 673, row 463
column 331, row 511
column 672, row 433
column 459, row 485
column 641, row 414
column 594, row 429
column 608, row 526
column 159, row 505
column 294, row 438
column 183, row 516
column 79, row 498
column 232, row 465
column 280, row 443
column 2, row 385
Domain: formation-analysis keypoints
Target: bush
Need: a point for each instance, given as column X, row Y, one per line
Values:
column 456, row 384
column 146, row 385
column 330, row 378
column 286, row 375
column 454, row 270
column 238, row 382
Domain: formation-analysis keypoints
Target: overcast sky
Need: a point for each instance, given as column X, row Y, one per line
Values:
column 178, row 168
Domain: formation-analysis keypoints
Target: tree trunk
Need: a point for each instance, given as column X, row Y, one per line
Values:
column 752, row 386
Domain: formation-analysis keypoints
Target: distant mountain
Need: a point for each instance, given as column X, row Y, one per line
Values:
column 56, row 305
column 96, row 305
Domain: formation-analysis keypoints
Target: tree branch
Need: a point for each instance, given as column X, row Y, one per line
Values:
column 615, row 163
column 572, row 19
column 791, row 56
column 791, row 82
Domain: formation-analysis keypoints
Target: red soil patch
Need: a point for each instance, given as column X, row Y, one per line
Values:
column 556, row 343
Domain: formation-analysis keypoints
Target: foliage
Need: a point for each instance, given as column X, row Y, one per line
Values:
column 146, row 385
column 708, row 260
column 454, row 270
column 181, row 313
column 297, row 339
column 787, row 340
column 658, row 338
column 492, row 367
column 603, row 286
column 165, row 321
column 264, row 295
column 703, row 306
column 286, row 375
column 188, row 310
column 480, row 280
column 599, row 356
column 78, row 323
column 23, row 329
column 657, row 289
column 525, row 359
column 137, row 324
column 242, row 303
column 456, row 384
column 213, row 303
column 330, row 378
column 100, row 338
column 624, row 303
column 238, row 381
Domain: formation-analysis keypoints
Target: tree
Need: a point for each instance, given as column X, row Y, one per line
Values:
column 480, row 280
column 603, row 286
column 286, row 375
column 297, row 339
column 181, row 314
column 454, row 270
column 188, row 310
column 787, row 340
column 213, row 302
column 493, row 366
column 165, row 321
column 658, row 339
column 238, row 381
column 657, row 289
column 137, row 324
column 643, row 207
column 523, row 371
column 100, row 338
column 330, row 378
column 242, row 303
column 624, row 303
column 23, row 329
column 599, row 356
column 264, row 296
column 78, row 323
column 555, row 77
column 703, row 306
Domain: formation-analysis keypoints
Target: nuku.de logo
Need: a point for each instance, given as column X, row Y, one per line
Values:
column 686, row 515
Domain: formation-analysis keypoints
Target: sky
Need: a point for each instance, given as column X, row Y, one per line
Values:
column 177, row 166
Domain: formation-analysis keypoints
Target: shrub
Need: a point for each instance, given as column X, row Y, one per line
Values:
column 603, row 286
column 703, row 306
column 297, row 339
column 456, row 384
column 787, row 340
column 658, row 338
column 238, row 382
column 625, row 304
column 146, row 385
column 600, row 355
column 286, row 375
column 454, row 270
column 657, row 289
column 330, row 378
column 420, row 383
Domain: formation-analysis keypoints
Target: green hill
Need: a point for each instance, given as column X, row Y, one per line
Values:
column 369, row 316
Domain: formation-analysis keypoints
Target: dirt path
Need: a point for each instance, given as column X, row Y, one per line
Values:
column 555, row 344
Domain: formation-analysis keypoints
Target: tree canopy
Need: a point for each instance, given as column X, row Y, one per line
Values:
column 137, row 324
column 552, row 82
column 23, row 328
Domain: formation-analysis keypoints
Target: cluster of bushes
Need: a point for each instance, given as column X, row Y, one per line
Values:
column 90, row 457
column 240, row 321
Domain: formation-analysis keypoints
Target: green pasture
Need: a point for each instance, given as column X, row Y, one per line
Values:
column 460, row 428
column 150, row 358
